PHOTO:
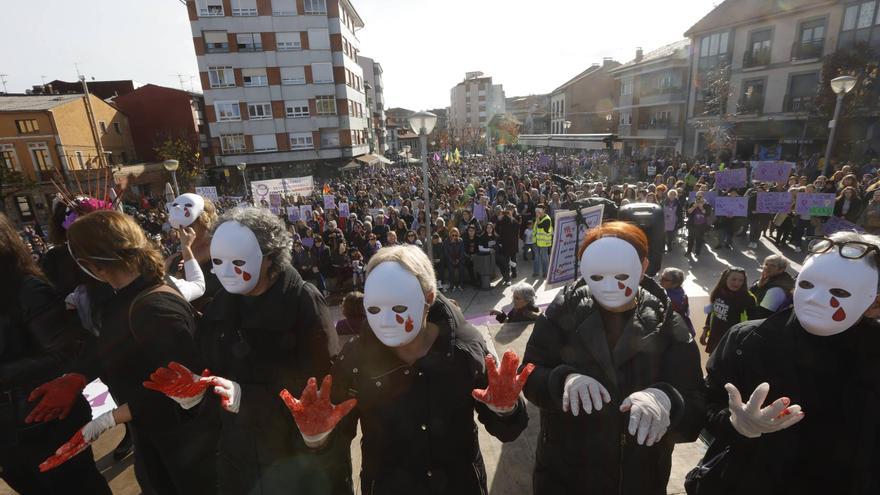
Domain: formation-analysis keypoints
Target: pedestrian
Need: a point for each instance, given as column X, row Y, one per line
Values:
column 523, row 308
column 671, row 279
column 697, row 223
column 353, row 317
column 542, row 231
column 454, row 259
column 773, row 290
column 731, row 303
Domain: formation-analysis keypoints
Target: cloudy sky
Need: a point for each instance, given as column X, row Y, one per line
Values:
column 424, row 46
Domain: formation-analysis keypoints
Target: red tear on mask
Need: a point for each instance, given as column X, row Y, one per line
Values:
column 246, row 276
column 628, row 292
column 409, row 324
column 399, row 319
column 237, row 271
column 834, row 302
column 839, row 315
column 620, row 285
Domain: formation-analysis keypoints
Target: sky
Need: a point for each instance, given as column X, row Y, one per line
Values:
column 425, row 46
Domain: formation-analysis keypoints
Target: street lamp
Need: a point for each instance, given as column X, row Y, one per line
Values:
column 241, row 166
column 171, row 166
column 841, row 86
column 566, row 125
column 423, row 124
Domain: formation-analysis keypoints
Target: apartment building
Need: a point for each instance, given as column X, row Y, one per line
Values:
column 283, row 89
column 473, row 103
column 652, row 100
column 756, row 71
column 584, row 104
column 532, row 111
column 375, row 92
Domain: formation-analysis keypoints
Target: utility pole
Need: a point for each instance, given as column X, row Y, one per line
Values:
column 3, row 80
column 102, row 158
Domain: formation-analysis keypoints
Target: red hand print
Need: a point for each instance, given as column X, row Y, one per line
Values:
column 313, row 412
column 504, row 384
column 74, row 446
column 177, row 381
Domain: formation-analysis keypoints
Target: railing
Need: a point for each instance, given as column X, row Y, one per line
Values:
column 754, row 104
column 756, row 59
column 798, row 103
column 656, row 124
column 211, row 11
column 807, row 49
column 217, row 48
column 660, row 90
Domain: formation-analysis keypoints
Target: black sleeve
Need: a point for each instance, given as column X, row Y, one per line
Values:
column 682, row 381
column 724, row 367
column 545, row 385
column 344, row 389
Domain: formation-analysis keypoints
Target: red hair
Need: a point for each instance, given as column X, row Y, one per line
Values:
column 622, row 230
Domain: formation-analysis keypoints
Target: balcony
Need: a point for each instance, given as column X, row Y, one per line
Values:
column 798, row 103
column 211, row 11
column 217, row 48
column 751, row 104
column 801, row 50
column 756, row 58
column 660, row 90
column 655, row 124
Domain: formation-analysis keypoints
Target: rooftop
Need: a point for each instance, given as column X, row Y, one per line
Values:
column 34, row 103
column 665, row 51
column 733, row 12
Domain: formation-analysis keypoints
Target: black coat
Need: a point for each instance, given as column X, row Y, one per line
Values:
column 840, row 433
column 508, row 232
column 266, row 343
column 594, row 453
column 419, row 435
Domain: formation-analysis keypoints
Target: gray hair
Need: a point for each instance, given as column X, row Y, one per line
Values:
column 777, row 260
column 272, row 236
column 525, row 291
column 674, row 275
column 856, row 237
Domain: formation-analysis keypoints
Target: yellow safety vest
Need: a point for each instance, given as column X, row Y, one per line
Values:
column 543, row 238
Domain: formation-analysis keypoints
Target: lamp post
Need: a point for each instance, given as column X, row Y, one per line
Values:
column 171, row 166
column 241, row 166
column 841, row 86
column 423, row 124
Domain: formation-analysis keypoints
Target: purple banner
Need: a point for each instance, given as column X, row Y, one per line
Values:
column 815, row 204
column 771, row 171
column 734, row 178
column 774, row 202
column 709, row 196
column 329, row 202
column 727, row 206
column 837, row 224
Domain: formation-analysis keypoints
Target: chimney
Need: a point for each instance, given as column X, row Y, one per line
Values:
column 639, row 54
column 606, row 61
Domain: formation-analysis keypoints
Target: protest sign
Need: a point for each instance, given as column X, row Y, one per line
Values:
column 837, row 224
column 566, row 240
column 329, row 202
column 731, row 206
column 293, row 213
column 275, row 203
column 709, row 196
column 734, row 178
column 208, row 192
column 303, row 186
column 774, row 202
column 670, row 218
column 815, row 204
column 771, row 171
column 343, row 210
column 305, row 212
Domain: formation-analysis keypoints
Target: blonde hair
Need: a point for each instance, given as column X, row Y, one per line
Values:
column 412, row 259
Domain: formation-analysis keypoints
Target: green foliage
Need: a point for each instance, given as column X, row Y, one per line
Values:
column 182, row 149
column 13, row 182
column 859, row 61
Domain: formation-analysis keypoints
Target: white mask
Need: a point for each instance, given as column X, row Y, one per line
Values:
column 832, row 293
column 185, row 209
column 236, row 257
column 395, row 304
column 611, row 268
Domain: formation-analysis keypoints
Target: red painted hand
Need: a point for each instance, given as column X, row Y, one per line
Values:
column 56, row 397
column 177, row 381
column 74, row 446
column 313, row 412
column 504, row 387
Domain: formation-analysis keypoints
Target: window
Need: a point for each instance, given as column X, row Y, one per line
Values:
column 285, row 42
column 24, row 207
column 29, row 126
column 319, row 39
column 314, row 7
column 259, row 111
column 40, row 156
column 330, row 139
column 752, row 100
column 325, row 105
column 265, row 142
column 802, row 90
column 227, row 111
column 322, row 73
column 857, row 21
column 117, row 128
column 283, row 7
column 210, row 8
column 103, row 126
column 254, row 77
column 216, row 41
column 293, row 75
column 713, row 50
column 249, row 42
column 811, row 40
column 221, row 77
column 296, row 109
column 246, row 8
column 301, row 141
column 626, row 89
column 232, row 143
column 8, row 158
column 759, row 48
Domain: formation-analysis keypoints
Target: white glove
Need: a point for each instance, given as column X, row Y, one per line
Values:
column 94, row 428
column 648, row 415
column 229, row 392
column 582, row 389
column 751, row 421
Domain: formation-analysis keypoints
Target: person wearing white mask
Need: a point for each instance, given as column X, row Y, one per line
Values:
column 414, row 380
column 197, row 220
column 793, row 399
column 266, row 331
column 617, row 375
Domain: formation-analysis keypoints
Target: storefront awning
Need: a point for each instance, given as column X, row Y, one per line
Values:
column 367, row 159
column 352, row 165
column 384, row 160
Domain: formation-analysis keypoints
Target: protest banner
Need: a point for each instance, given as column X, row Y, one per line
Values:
column 329, row 202
column 565, row 242
column 774, row 202
column 293, row 213
column 771, row 171
column 734, row 178
column 208, row 192
column 302, row 186
column 727, row 206
column 305, row 212
column 709, row 196
column 837, row 224
column 815, row 204
column 343, row 210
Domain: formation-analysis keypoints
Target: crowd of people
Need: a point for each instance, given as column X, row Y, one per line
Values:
column 208, row 323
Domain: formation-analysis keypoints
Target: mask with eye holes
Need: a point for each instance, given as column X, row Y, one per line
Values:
column 832, row 293
column 395, row 304
column 185, row 209
column 236, row 257
column 611, row 268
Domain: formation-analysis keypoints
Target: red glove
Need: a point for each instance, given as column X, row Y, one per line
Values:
column 70, row 449
column 58, row 397
column 314, row 414
column 179, row 383
column 505, row 385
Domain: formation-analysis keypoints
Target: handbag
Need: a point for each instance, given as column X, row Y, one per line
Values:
column 707, row 477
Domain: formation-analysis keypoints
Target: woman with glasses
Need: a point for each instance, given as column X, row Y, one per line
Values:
column 731, row 303
column 792, row 399
column 412, row 238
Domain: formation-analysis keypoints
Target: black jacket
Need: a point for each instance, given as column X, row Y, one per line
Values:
column 419, row 435
column 594, row 453
column 508, row 233
column 783, row 281
column 266, row 343
column 836, row 380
